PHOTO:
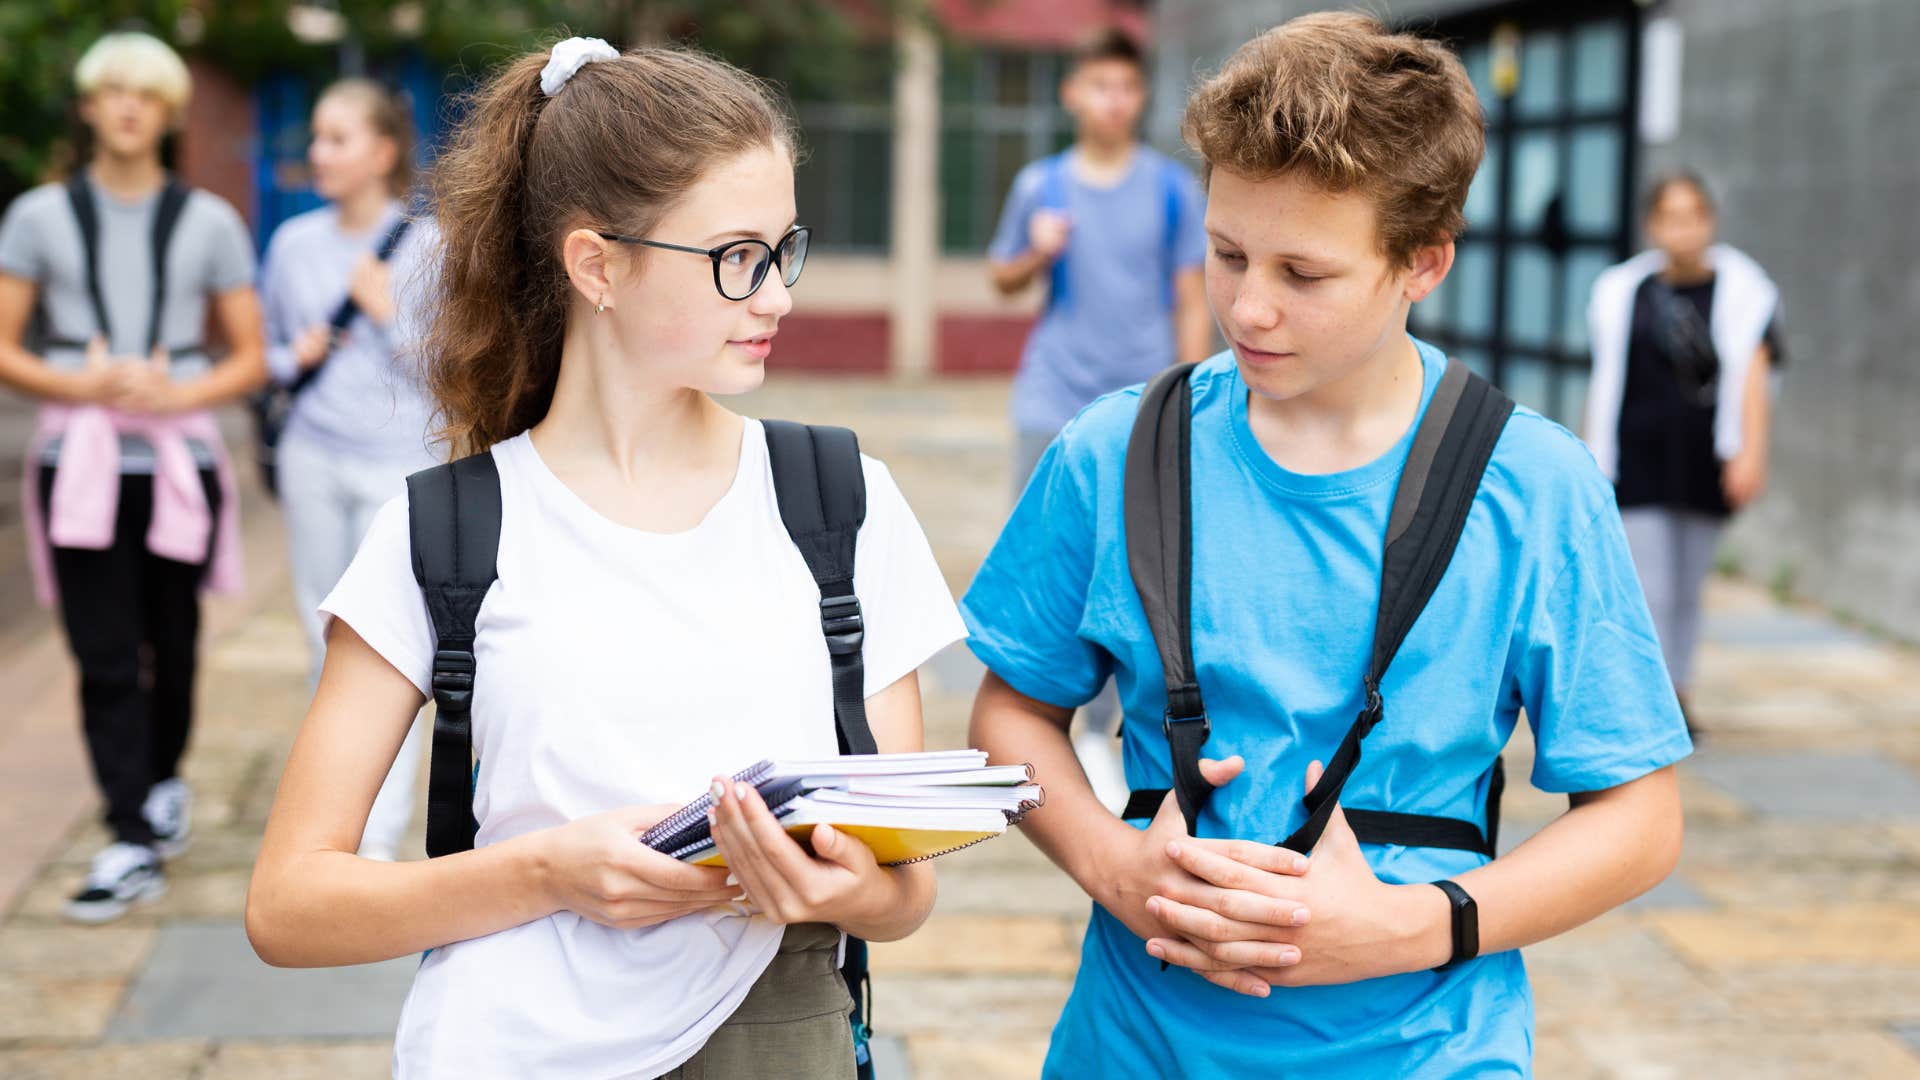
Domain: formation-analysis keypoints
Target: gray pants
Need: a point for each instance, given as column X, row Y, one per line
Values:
column 1673, row 554
column 792, row 1024
column 329, row 501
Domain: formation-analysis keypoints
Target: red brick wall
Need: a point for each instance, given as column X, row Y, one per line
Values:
column 217, row 149
column 858, row 343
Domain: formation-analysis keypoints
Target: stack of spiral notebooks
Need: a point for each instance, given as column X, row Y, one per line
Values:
column 906, row 807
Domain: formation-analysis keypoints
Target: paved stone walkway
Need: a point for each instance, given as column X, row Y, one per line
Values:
column 1788, row 944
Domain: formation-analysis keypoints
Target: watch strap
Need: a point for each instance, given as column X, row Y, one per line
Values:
column 1466, row 923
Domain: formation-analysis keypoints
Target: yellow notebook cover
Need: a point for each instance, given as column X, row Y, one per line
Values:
column 891, row 846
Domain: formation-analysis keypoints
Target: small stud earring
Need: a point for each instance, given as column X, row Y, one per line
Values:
column 600, row 308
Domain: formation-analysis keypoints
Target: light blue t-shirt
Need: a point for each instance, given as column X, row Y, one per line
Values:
column 1539, row 609
column 1115, row 327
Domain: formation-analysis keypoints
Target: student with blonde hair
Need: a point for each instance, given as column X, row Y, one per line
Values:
column 129, row 496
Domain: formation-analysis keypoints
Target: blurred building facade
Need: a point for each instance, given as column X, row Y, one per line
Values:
column 1804, row 120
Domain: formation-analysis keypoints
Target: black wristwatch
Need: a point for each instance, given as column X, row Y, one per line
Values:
column 1466, row 924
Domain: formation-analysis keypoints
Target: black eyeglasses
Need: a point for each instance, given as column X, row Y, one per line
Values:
column 740, row 266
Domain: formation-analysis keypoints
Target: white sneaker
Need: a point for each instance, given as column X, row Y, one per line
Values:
column 169, row 811
column 122, row 875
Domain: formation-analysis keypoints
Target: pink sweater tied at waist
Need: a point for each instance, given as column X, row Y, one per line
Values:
column 85, row 501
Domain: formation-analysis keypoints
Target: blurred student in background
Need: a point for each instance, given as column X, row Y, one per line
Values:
column 129, row 499
column 338, row 336
column 1685, row 340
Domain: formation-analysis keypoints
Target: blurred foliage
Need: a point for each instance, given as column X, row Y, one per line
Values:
column 819, row 49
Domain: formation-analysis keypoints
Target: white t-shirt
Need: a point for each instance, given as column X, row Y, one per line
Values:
column 620, row 667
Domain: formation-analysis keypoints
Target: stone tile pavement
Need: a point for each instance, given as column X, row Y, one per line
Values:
column 1788, row 944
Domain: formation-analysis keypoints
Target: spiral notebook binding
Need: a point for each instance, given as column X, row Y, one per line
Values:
column 697, row 809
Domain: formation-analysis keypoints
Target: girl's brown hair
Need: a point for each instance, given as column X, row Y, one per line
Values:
column 1337, row 98
column 614, row 149
column 389, row 117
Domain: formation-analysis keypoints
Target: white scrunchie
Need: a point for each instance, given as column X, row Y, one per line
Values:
column 570, row 56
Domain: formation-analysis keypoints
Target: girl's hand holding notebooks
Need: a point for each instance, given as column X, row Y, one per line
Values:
column 593, row 868
column 838, row 882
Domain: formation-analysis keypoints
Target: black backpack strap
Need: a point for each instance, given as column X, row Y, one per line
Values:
column 345, row 312
column 822, row 492
column 80, row 197
column 1450, row 452
column 453, row 516
column 166, row 218
column 1159, row 528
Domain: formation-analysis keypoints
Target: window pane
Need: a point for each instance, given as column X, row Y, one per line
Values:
column 1477, row 359
column 1599, row 65
column 959, row 76
column 1536, row 178
column 1470, row 291
column 1528, row 380
column 1481, row 207
column 1539, row 92
column 870, row 182
column 1479, row 64
column 961, row 204
column 1012, row 79
column 1583, row 265
column 1573, row 396
column 1593, row 186
column 1530, row 275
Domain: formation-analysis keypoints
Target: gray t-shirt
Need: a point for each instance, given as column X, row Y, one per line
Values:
column 210, row 253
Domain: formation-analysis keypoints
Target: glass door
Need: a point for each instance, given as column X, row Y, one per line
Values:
column 1552, row 205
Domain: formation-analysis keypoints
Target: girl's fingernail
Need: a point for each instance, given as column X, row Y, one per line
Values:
column 731, row 880
column 1290, row 956
column 1300, row 865
column 1153, row 904
column 719, row 789
column 712, row 819
column 740, row 792
column 1262, row 990
column 1153, row 949
column 1300, row 916
column 1173, row 851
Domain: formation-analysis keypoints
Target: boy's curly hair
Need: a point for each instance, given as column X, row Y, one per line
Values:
column 1340, row 100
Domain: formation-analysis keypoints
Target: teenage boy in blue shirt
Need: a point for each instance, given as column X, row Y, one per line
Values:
column 1338, row 157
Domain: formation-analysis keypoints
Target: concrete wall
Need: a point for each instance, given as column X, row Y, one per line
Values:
column 1804, row 116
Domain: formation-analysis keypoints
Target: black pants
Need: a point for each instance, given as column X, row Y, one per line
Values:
column 133, row 622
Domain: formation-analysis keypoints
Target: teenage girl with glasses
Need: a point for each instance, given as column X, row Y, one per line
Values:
column 652, row 624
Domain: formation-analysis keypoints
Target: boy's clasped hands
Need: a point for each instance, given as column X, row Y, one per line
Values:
column 1250, row 916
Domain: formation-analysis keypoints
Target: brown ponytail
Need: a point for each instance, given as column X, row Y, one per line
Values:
column 614, row 149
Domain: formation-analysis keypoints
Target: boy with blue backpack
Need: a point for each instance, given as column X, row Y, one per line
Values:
column 1329, row 539
column 1112, row 229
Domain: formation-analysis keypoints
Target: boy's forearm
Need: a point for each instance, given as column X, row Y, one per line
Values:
column 1073, row 829
column 1607, row 849
column 1757, row 407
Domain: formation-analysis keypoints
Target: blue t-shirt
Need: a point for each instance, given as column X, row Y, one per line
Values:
column 1539, row 609
column 1116, row 326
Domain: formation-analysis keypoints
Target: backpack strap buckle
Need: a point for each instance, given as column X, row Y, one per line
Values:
column 453, row 679
column 841, row 622
column 1374, row 711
